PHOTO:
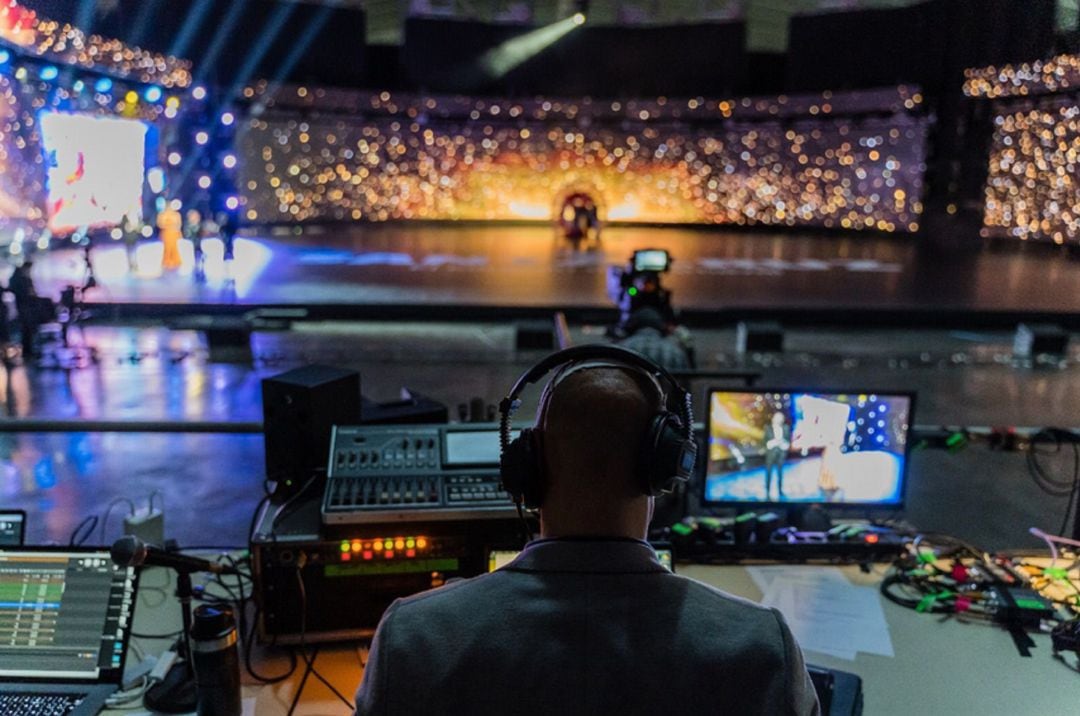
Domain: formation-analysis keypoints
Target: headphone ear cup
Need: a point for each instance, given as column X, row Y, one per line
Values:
column 521, row 469
column 668, row 456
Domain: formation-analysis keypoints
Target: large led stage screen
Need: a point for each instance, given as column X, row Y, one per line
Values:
column 96, row 167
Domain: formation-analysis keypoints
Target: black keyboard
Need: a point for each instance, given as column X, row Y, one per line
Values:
column 38, row 704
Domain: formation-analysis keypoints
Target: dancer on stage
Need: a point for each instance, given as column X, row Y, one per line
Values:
column 170, row 224
column 132, row 228
column 193, row 227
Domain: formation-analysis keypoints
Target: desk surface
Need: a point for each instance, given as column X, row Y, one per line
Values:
column 940, row 665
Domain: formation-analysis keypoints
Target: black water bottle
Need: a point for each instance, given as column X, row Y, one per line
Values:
column 216, row 659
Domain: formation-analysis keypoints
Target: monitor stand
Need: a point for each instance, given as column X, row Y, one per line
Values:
column 809, row 518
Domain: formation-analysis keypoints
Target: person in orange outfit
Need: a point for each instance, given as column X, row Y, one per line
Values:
column 170, row 225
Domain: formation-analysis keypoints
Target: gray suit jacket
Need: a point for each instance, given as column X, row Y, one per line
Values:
column 583, row 627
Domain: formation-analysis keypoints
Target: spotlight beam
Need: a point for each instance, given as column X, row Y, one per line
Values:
column 190, row 27
column 84, row 20
column 142, row 21
column 310, row 33
column 314, row 27
column 270, row 31
column 223, row 35
column 499, row 61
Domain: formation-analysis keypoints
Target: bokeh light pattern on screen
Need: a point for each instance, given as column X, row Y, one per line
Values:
column 1031, row 188
column 835, row 448
column 781, row 161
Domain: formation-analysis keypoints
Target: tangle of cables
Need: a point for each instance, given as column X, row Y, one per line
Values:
column 1052, row 442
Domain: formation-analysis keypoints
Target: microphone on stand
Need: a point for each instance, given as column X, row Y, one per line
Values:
column 130, row 551
column 178, row 691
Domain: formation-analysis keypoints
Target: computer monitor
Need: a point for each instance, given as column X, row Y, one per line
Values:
column 807, row 447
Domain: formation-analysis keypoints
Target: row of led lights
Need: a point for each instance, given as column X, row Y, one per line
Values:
column 387, row 548
column 153, row 94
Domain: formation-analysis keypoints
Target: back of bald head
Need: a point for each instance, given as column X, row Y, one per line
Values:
column 593, row 428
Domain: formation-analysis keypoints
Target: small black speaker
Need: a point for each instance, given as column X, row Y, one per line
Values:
column 759, row 337
column 299, row 409
column 1035, row 338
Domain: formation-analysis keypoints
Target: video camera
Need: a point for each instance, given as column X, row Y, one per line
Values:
column 637, row 285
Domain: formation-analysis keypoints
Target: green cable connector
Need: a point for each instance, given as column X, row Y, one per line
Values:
column 926, row 603
column 955, row 440
column 927, row 557
column 1059, row 574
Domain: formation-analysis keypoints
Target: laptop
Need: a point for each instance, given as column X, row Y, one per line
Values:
column 65, row 624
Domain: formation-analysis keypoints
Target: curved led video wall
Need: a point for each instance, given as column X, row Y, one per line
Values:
column 846, row 161
column 1032, row 191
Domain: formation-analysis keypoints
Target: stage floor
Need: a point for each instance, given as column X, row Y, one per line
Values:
column 439, row 267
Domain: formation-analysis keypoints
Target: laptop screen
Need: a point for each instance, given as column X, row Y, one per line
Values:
column 65, row 614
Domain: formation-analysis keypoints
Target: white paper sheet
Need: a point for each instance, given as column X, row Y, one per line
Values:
column 826, row 613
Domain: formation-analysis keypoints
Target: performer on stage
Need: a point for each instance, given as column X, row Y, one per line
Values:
column 170, row 224
column 193, row 232
column 227, row 224
column 132, row 227
column 777, row 441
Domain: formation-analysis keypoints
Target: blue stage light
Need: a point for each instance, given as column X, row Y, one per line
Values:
column 49, row 73
column 5, row 57
column 153, row 93
column 103, row 86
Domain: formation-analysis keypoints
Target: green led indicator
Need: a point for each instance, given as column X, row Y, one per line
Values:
column 632, row 291
column 1030, row 604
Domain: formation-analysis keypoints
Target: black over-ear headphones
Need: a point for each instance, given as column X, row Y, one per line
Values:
column 666, row 456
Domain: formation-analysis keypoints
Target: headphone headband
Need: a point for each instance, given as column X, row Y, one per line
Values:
column 667, row 456
column 574, row 354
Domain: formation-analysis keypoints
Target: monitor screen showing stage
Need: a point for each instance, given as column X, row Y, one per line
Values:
column 807, row 447
column 95, row 169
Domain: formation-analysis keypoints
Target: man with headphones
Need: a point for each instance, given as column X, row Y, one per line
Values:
column 586, row 620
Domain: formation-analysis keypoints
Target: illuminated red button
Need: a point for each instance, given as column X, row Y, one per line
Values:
column 410, row 553
column 368, row 554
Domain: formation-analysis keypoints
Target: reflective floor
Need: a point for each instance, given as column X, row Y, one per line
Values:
column 210, row 482
column 529, row 266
